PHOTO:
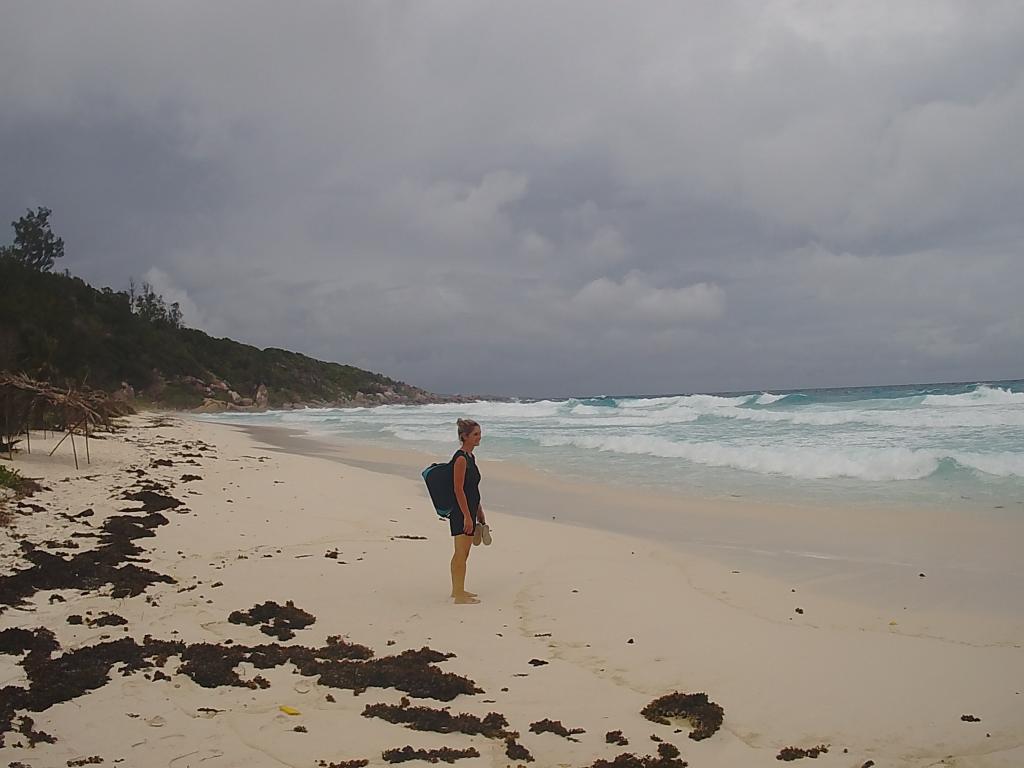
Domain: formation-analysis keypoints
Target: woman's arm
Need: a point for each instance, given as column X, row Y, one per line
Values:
column 480, row 514
column 459, row 474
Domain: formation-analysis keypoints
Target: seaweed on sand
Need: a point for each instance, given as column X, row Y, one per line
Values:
column 668, row 757
column 55, row 679
column 212, row 665
column 16, row 641
column 516, row 751
column 34, row 737
column 107, row 620
column 493, row 725
column 410, row 671
column 68, row 676
column 447, row 754
column 705, row 716
column 276, row 620
column 112, row 562
column 795, row 753
column 556, row 727
column 151, row 500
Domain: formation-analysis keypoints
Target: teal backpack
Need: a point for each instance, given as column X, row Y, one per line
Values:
column 440, row 480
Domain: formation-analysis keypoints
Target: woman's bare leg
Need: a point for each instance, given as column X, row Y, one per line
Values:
column 463, row 545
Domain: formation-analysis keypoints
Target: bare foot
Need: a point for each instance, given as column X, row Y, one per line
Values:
column 466, row 599
column 467, row 594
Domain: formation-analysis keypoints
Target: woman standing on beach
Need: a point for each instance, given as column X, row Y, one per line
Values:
column 468, row 512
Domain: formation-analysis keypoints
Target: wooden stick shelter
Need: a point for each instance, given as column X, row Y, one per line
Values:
column 69, row 409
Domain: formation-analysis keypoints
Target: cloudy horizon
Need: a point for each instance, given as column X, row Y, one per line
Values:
column 544, row 199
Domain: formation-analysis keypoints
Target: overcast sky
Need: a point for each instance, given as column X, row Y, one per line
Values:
column 543, row 198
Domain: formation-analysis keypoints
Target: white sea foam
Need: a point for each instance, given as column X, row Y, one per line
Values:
column 589, row 410
column 647, row 402
column 980, row 395
column 493, row 410
column 893, row 434
column 692, row 401
column 921, row 418
column 875, row 464
column 426, row 435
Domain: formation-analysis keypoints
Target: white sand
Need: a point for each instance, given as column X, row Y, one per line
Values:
column 842, row 673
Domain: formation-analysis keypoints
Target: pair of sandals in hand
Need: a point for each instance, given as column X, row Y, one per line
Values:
column 481, row 533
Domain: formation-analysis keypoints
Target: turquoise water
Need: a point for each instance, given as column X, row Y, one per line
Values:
column 960, row 444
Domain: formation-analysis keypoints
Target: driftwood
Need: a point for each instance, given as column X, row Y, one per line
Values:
column 71, row 410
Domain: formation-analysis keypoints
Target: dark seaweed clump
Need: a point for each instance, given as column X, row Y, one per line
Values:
column 343, row 764
column 556, row 727
column 34, row 737
column 104, row 620
column 409, row 671
column 970, row 719
column 339, row 664
column 447, row 754
column 616, row 737
column 68, row 676
column 705, row 716
column 94, row 760
column 112, row 562
column 493, row 725
column 212, row 665
column 276, row 620
column 152, row 500
column 15, row 641
column 795, row 753
column 108, row 620
column 668, row 757
column 516, row 751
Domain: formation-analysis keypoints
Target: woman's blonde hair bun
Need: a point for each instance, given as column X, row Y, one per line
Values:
column 466, row 427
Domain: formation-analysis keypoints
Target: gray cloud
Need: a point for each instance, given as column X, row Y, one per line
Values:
column 540, row 198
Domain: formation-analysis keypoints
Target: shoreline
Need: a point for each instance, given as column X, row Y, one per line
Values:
column 612, row 621
column 660, row 475
column 854, row 554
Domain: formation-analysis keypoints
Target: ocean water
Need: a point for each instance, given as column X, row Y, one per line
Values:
column 949, row 444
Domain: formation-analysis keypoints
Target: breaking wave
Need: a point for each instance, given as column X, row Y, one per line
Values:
column 981, row 395
column 802, row 463
column 947, row 435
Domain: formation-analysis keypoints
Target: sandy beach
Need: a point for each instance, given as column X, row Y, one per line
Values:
column 890, row 640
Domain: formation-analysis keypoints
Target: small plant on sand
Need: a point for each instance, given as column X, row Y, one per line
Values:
column 11, row 478
column 12, row 481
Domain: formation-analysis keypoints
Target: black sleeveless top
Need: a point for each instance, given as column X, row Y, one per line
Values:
column 471, row 485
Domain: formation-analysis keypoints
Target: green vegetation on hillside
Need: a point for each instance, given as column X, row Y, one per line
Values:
column 59, row 328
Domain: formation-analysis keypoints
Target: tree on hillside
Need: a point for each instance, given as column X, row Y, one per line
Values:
column 35, row 245
column 151, row 306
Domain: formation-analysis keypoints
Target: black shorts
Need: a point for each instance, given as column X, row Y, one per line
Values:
column 456, row 521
